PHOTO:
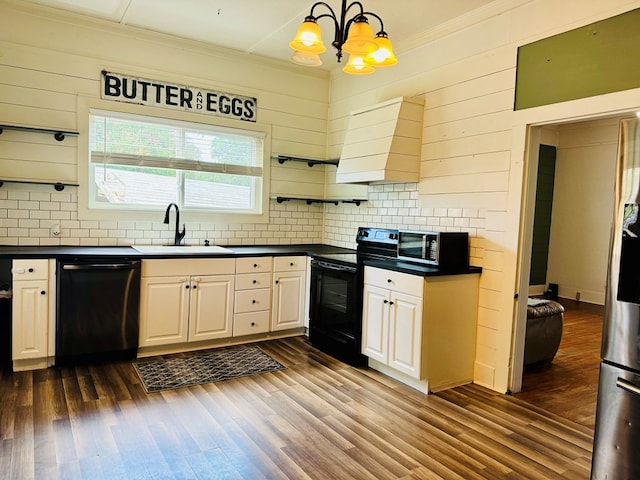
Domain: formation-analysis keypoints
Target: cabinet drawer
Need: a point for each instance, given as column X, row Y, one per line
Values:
column 253, row 300
column 397, row 281
column 167, row 267
column 253, row 264
column 250, row 323
column 30, row 269
column 286, row 264
column 251, row 281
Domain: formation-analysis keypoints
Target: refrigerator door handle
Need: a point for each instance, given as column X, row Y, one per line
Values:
column 625, row 385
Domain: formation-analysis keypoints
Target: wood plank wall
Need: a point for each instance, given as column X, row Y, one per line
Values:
column 42, row 76
column 50, row 66
column 473, row 146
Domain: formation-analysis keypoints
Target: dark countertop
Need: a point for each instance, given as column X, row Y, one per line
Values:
column 66, row 252
column 127, row 253
column 418, row 269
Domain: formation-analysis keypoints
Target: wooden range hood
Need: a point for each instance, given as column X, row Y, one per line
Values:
column 383, row 143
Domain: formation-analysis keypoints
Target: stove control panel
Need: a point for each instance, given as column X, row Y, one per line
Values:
column 387, row 236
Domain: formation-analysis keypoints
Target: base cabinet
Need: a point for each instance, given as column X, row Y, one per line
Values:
column 33, row 304
column 287, row 309
column 422, row 328
column 186, row 307
column 392, row 322
column 211, row 307
column 30, row 319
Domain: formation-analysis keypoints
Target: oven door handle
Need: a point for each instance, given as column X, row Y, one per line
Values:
column 333, row 266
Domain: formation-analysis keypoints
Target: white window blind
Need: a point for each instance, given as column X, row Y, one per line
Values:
column 139, row 162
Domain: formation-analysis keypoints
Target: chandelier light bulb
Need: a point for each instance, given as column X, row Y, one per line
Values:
column 360, row 40
column 357, row 66
column 383, row 56
column 308, row 39
column 306, row 59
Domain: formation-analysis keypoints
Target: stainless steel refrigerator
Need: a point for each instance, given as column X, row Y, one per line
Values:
column 616, row 449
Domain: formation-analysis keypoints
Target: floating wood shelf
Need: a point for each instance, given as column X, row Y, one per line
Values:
column 309, row 201
column 59, row 135
column 283, row 158
column 58, row 186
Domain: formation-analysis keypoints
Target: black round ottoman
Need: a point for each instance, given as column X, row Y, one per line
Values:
column 544, row 332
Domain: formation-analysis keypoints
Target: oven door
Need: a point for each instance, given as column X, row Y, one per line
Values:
column 335, row 323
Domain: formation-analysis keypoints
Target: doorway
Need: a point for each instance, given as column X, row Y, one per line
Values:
column 578, row 250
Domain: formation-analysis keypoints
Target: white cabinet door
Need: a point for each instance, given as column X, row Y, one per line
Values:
column 287, row 308
column 164, row 310
column 405, row 334
column 211, row 307
column 30, row 318
column 375, row 316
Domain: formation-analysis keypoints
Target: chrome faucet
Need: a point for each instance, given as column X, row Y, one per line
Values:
column 179, row 235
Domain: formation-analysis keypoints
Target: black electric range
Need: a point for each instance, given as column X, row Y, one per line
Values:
column 335, row 324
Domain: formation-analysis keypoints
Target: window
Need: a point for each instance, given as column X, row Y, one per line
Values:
column 139, row 162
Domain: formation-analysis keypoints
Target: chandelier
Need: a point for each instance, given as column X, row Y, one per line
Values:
column 353, row 35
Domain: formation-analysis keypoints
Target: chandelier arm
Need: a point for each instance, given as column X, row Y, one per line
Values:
column 323, row 4
column 346, row 24
column 345, row 8
column 379, row 19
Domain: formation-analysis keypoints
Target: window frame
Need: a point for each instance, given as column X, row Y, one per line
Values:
column 86, row 106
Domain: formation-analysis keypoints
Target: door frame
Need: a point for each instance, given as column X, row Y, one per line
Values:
column 528, row 125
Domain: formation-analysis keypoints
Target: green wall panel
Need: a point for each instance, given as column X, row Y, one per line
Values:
column 542, row 215
column 602, row 57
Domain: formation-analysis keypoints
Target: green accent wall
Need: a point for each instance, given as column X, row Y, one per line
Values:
column 542, row 216
column 599, row 58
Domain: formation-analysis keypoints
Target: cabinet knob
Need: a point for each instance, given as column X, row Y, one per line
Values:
column 277, row 281
column 255, row 265
column 291, row 264
column 253, row 324
column 386, row 301
column 253, row 301
column 43, row 292
column 255, row 281
column 186, row 286
column 31, row 270
column 195, row 286
column 389, row 280
column 390, row 303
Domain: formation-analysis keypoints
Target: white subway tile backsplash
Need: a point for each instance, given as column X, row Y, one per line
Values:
column 28, row 205
column 26, row 219
column 29, row 223
column 18, row 195
column 8, row 204
column 18, row 214
column 59, row 215
column 399, row 206
column 40, row 196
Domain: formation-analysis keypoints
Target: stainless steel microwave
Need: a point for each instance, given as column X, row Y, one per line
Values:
column 446, row 250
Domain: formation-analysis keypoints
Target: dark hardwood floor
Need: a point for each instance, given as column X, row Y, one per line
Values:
column 569, row 385
column 316, row 419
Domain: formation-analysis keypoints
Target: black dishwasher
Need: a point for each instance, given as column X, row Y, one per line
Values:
column 97, row 310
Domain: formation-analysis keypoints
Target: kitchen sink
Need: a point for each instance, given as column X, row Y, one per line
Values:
column 185, row 249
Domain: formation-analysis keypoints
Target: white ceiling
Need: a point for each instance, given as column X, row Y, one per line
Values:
column 264, row 27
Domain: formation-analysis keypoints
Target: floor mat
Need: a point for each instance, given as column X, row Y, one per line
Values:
column 204, row 367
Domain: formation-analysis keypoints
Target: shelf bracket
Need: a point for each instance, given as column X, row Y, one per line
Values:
column 310, row 162
column 59, row 135
column 58, row 186
column 309, row 201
